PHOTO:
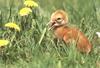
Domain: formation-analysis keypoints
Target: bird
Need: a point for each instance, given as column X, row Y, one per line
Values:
column 58, row 24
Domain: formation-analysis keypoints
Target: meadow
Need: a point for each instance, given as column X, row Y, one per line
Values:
column 32, row 45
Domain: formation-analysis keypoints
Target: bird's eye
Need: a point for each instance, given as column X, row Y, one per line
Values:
column 59, row 20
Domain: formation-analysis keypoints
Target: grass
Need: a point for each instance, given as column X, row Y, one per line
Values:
column 33, row 46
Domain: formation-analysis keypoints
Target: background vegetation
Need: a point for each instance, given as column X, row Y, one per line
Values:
column 33, row 46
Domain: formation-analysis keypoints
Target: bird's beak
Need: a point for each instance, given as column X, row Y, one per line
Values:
column 50, row 25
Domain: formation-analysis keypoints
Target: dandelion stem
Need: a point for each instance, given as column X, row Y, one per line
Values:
column 10, row 10
column 42, row 36
column 13, row 37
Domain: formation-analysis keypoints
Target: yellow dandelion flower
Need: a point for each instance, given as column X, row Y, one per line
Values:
column 12, row 25
column 25, row 11
column 30, row 3
column 3, row 42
